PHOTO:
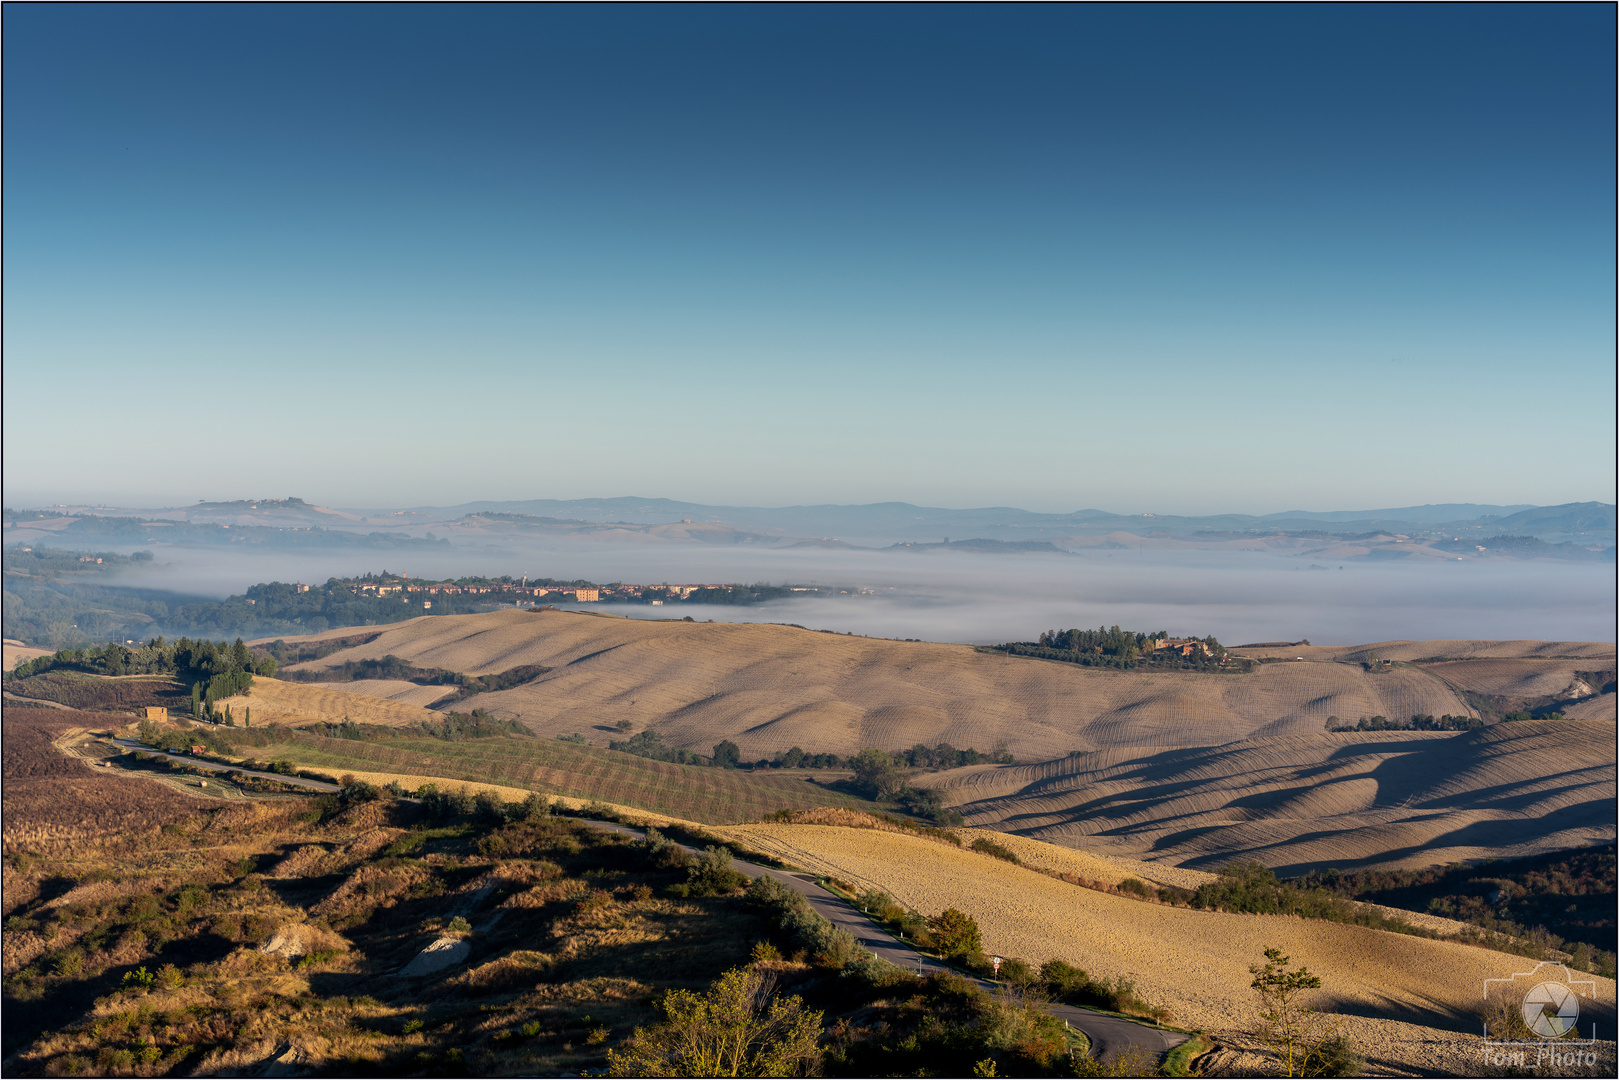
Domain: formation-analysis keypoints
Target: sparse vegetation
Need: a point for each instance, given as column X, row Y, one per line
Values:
column 1304, row 1042
column 738, row 1028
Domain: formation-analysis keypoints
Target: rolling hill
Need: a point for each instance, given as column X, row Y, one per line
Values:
column 1312, row 802
column 769, row 687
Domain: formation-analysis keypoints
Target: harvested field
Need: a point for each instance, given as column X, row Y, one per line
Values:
column 16, row 652
column 1350, row 800
column 1604, row 708
column 687, row 792
column 1444, row 649
column 1406, row 1002
column 1517, row 678
column 51, row 799
column 769, row 688
column 274, row 701
column 402, row 691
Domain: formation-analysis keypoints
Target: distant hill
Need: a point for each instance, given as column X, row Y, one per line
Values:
column 869, row 525
column 880, row 524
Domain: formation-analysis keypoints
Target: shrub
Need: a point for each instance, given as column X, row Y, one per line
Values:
column 989, row 847
column 1135, row 886
column 736, row 1029
column 459, row 925
column 954, row 933
column 711, row 874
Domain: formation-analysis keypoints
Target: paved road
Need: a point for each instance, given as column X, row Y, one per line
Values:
column 199, row 763
column 1110, row 1036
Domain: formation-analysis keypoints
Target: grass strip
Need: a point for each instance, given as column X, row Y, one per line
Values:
column 1178, row 1062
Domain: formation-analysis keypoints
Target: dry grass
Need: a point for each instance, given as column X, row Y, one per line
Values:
column 274, row 701
column 274, row 941
column 1393, row 991
column 772, row 687
column 51, row 799
column 1345, row 800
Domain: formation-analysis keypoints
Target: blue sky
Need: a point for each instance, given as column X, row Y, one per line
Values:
column 1164, row 258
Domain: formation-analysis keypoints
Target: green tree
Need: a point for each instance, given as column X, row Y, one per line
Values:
column 954, row 933
column 727, row 755
column 738, row 1028
column 1304, row 1042
column 875, row 773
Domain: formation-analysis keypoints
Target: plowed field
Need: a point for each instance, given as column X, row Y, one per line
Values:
column 1310, row 802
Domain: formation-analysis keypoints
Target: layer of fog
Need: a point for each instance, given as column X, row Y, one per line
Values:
column 971, row 597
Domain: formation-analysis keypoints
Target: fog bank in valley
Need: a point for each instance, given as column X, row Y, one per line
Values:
column 971, row 597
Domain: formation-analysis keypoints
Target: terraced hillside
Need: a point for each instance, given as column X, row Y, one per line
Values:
column 772, row 687
column 1315, row 801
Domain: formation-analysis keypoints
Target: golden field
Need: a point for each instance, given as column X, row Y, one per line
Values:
column 1408, row 1003
column 274, row 701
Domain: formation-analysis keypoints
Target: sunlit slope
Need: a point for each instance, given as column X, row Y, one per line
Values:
column 1440, row 649
column 1194, row 962
column 1314, row 801
column 769, row 688
column 275, row 701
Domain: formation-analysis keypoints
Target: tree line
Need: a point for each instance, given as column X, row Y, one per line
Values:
column 214, row 669
column 1418, row 722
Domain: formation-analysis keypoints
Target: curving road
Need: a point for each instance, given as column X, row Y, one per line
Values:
column 199, row 763
column 1110, row 1036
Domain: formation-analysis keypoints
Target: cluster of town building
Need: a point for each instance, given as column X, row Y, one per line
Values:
column 523, row 590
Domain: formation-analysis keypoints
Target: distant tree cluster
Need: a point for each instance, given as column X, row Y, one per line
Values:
column 1418, row 722
column 650, row 744
column 877, row 776
column 1116, row 643
column 797, row 758
column 1119, row 648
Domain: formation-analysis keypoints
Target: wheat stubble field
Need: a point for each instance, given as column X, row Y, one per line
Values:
column 1409, row 1003
column 275, row 701
column 771, row 687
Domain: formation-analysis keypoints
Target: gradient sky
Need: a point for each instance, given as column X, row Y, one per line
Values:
column 1167, row 258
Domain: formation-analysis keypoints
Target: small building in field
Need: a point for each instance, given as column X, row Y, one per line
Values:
column 1183, row 646
column 199, row 749
column 157, row 712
